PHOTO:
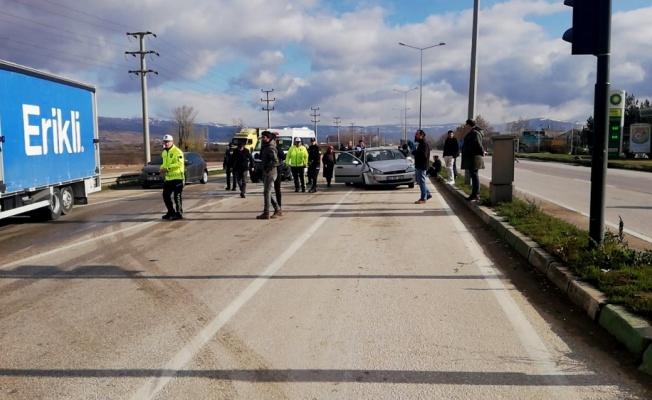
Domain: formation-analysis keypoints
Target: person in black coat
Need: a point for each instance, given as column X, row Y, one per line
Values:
column 313, row 164
column 279, row 171
column 472, row 157
column 226, row 165
column 328, row 160
column 241, row 163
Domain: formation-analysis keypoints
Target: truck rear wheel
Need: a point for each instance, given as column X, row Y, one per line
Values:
column 53, row 211
column 67, row 200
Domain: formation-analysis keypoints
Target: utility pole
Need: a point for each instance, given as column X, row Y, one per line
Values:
column 473, row 83
column 268, row 100
column 352, row 133
column 142, row 72
column 337, row 123
column 315, row 120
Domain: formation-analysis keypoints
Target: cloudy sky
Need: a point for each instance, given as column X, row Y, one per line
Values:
column 341, row 56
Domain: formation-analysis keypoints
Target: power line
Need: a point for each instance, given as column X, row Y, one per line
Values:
column 59, row 14
column 88, row 15
column 57, row 51
column 56, row 28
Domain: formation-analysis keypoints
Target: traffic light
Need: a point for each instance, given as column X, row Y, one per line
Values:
column 584, row 33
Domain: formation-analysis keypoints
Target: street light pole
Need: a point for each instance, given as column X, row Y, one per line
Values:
column 404, row 138
column 338, row 122
column 421, row 49
column 572, row 136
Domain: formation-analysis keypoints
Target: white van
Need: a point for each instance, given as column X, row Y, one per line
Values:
column 285, row 138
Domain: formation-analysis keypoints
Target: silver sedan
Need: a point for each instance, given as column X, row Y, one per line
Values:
column 374, row 166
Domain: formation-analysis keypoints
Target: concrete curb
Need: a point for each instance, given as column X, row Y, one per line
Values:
column 634, row 332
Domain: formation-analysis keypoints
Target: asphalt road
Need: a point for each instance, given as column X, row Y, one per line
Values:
column 353, row 294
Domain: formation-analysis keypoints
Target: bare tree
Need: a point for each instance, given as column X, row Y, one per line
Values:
column 238, row 123
column 485, row 125
column 517, row 127
column 185, row 119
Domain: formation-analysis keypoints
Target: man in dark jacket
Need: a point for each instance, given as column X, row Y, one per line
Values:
column 421, row 163
column 472, row 154
column 313, row 164
column 227, row 167
column 268, row 163
column 242, row 162
column 451, row 151
column 279, row 172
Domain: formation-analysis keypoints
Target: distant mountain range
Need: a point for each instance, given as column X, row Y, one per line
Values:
column 116, row 129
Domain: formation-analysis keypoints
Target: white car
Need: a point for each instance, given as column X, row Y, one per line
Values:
column 374, row 166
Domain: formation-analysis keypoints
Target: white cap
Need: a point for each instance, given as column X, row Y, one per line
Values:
column 168, row 138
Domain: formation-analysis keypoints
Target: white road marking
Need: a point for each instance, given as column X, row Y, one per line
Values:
column 530, row 340
column 581, row 180
column 190, row 350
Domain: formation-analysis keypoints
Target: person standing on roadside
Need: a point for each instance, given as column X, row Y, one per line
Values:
column 297, row 159
column 472, row 157
column 268, row 163
column 242, row 162
column 349, row 146
column 421, row 162
column 313, row 164
column 359, row 148
column 174, row 167
column 279, row 171
column 227, row 166
column 451, row 151
column 328, row 160
column 404, row 149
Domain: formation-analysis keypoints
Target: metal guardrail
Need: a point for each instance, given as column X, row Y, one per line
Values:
column 132, row 177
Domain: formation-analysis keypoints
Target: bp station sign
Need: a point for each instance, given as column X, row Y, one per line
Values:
column 616, row 122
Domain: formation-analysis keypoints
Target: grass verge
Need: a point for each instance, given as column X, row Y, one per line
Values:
column 623, row 274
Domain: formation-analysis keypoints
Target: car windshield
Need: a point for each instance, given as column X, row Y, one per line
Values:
column 237, row 141
column 156, row 161
column 384, row 155
column 285, row 142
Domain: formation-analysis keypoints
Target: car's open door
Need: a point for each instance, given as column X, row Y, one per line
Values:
column 348, row 168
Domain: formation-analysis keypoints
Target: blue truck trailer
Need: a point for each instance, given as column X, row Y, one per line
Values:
column 49, row 145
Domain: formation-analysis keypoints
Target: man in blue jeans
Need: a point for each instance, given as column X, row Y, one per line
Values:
column 421, row 163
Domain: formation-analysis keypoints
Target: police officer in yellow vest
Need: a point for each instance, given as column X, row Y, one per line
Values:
column 297, row 159
column 174, row 168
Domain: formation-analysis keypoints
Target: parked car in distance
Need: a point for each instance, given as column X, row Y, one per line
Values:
column 376, row 166
column 196, row 171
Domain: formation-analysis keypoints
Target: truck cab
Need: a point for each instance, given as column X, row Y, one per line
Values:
column 248, row 137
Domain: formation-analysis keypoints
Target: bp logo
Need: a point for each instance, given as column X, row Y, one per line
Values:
column 615, row 99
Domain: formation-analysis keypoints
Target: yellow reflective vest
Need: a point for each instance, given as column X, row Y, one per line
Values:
column 297, row 156
column 174, row 162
